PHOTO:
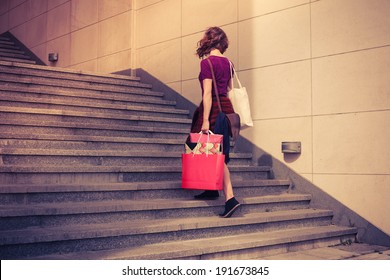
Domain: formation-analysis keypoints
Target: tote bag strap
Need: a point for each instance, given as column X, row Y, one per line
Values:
column 233, row 71
column 215, row 85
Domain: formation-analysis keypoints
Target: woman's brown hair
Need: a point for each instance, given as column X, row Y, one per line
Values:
column 214, row 38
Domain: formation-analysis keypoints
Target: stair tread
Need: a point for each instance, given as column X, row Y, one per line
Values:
column 102, row 153
column 56, row 233
column 73, row 113
column 66, row 208
column 69, row 70
column 199, row 247
column 88, row 187
column 96, row 105
column 78, row 125
column 105, row 169
column 101, row 96
column 56, row 81
column 89, row 138
column 17, row 60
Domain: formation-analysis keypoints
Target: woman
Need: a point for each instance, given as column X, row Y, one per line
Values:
column 212, row 46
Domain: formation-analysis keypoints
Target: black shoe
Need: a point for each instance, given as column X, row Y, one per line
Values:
column 207, row 195
column 230, row 206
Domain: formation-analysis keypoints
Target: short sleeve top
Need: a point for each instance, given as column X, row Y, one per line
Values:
column 221, row 66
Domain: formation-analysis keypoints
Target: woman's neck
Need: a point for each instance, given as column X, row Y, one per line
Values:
column 216, row 52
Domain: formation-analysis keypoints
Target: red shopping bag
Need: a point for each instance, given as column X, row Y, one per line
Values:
column 202, row 171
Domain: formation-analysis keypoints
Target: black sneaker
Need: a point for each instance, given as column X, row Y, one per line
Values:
column 207, row 195
column 230, row 206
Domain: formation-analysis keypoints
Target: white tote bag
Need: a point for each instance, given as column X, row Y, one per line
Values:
column 240, row 100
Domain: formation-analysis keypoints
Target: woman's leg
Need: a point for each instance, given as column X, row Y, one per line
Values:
column 231, row 204
column 227, row 184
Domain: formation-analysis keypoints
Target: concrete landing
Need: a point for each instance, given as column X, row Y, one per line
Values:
column 354, row 251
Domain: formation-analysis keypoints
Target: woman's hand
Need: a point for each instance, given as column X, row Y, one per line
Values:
column 205, row 126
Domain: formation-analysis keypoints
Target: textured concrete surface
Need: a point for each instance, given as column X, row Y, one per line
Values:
column 354, row 251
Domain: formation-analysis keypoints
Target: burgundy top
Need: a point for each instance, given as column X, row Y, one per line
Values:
column 221, row 66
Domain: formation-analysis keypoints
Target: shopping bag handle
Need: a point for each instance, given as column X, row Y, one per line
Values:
column 208, row 132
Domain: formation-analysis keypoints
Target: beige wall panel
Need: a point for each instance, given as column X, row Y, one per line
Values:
column 363, row 194
column 163, row 61
column 89, row 66
column 4, row 26
column 4, row 6
column 115, row 62
column 190, row 59
column 109, row 8
column 353, row 82
column 58, row 21
column 269, row 135
column 19, row 15
column 158, row 23
column 36, row 31
column 349, row 25
column 144, row 3
column 231, row 31
column 20, row 32
column 55, row 3
column 252, row 8
column 279, row 91
column 176, row 86
column 275, row 38
column 201, row 14
column 37, row 7
column 352, row 143
column 115, row 34
column 40, row 51
column 61, row 46
column 84, row 44
column 191, row 90
column 84, row 13
column 15, row 3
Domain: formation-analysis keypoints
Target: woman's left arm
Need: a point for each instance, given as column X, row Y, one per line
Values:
column 207, row 102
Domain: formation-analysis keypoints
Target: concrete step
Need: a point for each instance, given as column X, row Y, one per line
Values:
column 90, row 106
column 58, row 193
column 127, row 211
column 58, row 79
column 8, row 45
column 52, row 115
column 238, row 246
column 10, row 50
column 78, row 88
column 87, row 142
column 57, row 157
column 13, row 54
column 132, row 97
column 156, row 226
column 36, row 127
column 23, row 174
column 19, row 60
column 58, row 72
column 72, row 238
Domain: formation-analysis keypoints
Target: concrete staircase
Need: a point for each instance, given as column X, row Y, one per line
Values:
column 13, row 50
column 90, row 168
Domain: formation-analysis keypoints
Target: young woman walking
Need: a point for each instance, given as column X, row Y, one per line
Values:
column 212, row 47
